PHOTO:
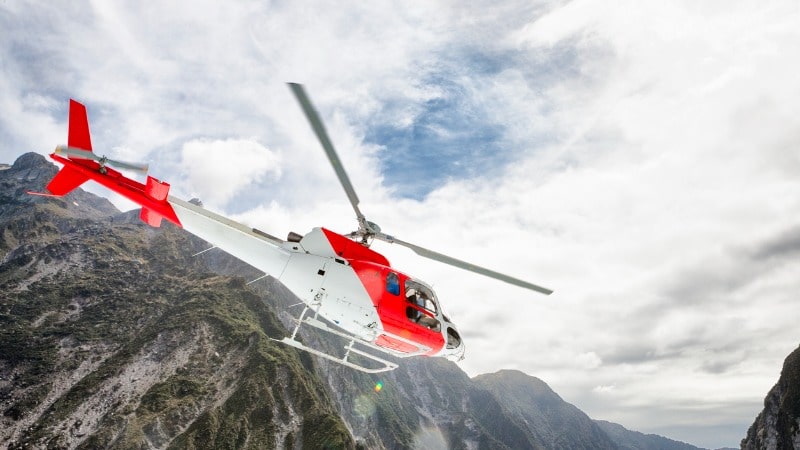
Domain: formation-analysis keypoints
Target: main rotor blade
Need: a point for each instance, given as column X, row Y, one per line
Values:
column 464, row 265
column 322, row 135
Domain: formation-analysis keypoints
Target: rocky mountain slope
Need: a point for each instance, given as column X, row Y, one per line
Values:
column 633, row 440
column 778, row 425
column 113, row 336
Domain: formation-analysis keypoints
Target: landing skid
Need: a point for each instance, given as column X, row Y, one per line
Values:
column 385, row 365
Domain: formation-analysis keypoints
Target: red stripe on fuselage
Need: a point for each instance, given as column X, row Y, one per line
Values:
column 393, row 312
column 130, row 189
column 372, row 268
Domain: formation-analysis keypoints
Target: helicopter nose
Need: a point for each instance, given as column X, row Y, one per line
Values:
column 454, row 349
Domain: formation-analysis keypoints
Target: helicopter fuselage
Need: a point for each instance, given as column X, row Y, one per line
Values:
column 346, row 283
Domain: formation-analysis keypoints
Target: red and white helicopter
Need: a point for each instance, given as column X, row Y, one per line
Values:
column 360, row 296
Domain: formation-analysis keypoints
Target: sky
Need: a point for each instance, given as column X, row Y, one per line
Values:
column 641, row 158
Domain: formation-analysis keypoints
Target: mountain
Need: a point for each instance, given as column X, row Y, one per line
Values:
column 112, row 335
column 778, row 425
column 543, row 414
column 633, row 440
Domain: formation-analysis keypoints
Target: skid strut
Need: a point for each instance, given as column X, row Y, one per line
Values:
column 350, row 348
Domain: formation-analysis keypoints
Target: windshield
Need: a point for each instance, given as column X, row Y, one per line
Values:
column 425, row 309
column 421, row 295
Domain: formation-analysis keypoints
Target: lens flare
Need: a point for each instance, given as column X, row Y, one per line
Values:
column 379, row 386
column 364, row 406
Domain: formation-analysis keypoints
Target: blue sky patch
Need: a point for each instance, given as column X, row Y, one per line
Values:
column 450, row 138
column 453, row 136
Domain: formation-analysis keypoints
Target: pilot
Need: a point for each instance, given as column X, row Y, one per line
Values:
column 417, row 316
column 413, row 297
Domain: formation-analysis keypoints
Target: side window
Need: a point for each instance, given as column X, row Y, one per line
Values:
column 393, row 283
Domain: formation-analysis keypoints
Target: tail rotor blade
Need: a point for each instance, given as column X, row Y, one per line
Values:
column 76, row 152
column 73, row 152
column 136, row 167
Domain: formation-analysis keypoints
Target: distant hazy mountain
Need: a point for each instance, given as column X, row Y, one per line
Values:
column 778, row 425
column 113, row 336
column 633, row 440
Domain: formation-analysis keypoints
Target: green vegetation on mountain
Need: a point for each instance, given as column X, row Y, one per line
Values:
column 112, row 336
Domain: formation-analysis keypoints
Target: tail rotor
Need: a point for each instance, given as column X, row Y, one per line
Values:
column 78, row 153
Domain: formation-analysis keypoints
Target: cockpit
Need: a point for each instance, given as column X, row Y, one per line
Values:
column 422, row 308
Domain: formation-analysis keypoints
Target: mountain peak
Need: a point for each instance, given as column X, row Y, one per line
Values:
column 545, row 415
column 30, row 160
column 32, row 172
column 516, row 380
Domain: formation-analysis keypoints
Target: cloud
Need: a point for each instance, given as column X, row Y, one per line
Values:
column 640, row 159
column 785, row 245
column 219, row 169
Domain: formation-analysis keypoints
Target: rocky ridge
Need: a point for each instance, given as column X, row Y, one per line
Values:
column 778, row 425
column 112, row 336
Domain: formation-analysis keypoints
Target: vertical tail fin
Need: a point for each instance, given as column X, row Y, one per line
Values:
column 78, row 135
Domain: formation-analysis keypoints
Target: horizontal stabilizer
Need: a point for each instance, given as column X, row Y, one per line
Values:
column 66, row 180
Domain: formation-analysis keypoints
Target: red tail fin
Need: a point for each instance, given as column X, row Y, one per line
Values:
column 78, row 136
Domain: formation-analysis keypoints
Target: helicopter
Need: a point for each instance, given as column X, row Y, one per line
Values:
column 347, row 289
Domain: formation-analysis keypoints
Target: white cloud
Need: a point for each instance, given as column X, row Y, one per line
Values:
column 653, row 180
column 219, row 169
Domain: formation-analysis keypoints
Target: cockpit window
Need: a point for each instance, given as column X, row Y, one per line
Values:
column 424, row 310
column 393, row 283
